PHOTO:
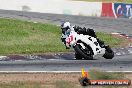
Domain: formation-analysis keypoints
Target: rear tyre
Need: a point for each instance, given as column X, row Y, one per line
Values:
column 109, row 54
column 82, row 53
column 77, row 56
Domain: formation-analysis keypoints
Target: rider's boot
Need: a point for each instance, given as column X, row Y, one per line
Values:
column 101, row 43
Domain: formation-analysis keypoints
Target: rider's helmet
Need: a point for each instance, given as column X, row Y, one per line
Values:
column 65, row 27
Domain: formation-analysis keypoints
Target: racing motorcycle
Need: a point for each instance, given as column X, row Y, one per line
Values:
column 86, row 47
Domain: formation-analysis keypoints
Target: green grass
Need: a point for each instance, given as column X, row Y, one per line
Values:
column 95, row 74
column 108, row 39
column 22, row 37
column 120, row 1
column 27, row 37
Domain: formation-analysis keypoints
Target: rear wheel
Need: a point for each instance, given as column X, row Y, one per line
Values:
column 77, row 56
column 84, row 53
column 109, row 54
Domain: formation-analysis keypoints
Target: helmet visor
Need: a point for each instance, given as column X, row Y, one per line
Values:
column 64, row 29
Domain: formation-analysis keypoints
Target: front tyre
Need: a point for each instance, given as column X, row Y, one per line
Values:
column 86, row 54
column 109, row 54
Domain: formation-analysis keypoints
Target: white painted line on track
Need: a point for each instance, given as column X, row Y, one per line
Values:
column 40, row 71
column 55, row 71
column 115, row 33
column 3, row 56
column 120, row 71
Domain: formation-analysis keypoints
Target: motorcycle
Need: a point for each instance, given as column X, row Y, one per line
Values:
column 86, row 47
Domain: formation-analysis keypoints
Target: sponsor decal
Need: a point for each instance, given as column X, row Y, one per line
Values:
column 69, row 39
column 116, row 10
column 122, row 10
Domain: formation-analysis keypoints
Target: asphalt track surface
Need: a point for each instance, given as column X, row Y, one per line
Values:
column 118, row 63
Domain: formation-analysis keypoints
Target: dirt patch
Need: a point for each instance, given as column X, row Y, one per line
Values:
column 48, row 80
column 45, row 80
column 39, row 77
column 127, row 42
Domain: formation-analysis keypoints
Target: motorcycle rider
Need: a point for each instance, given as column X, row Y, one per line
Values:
column 66, row 28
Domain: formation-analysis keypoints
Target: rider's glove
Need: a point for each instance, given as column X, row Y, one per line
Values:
column 63, row 39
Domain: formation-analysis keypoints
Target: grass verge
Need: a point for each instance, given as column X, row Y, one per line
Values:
column 109, row 39
column 95, row 74
column 22, row 37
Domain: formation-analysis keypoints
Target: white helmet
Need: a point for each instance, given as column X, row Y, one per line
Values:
column 65, row 26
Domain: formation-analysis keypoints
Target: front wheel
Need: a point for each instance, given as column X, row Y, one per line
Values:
column 86, row 54
column 109, row 54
